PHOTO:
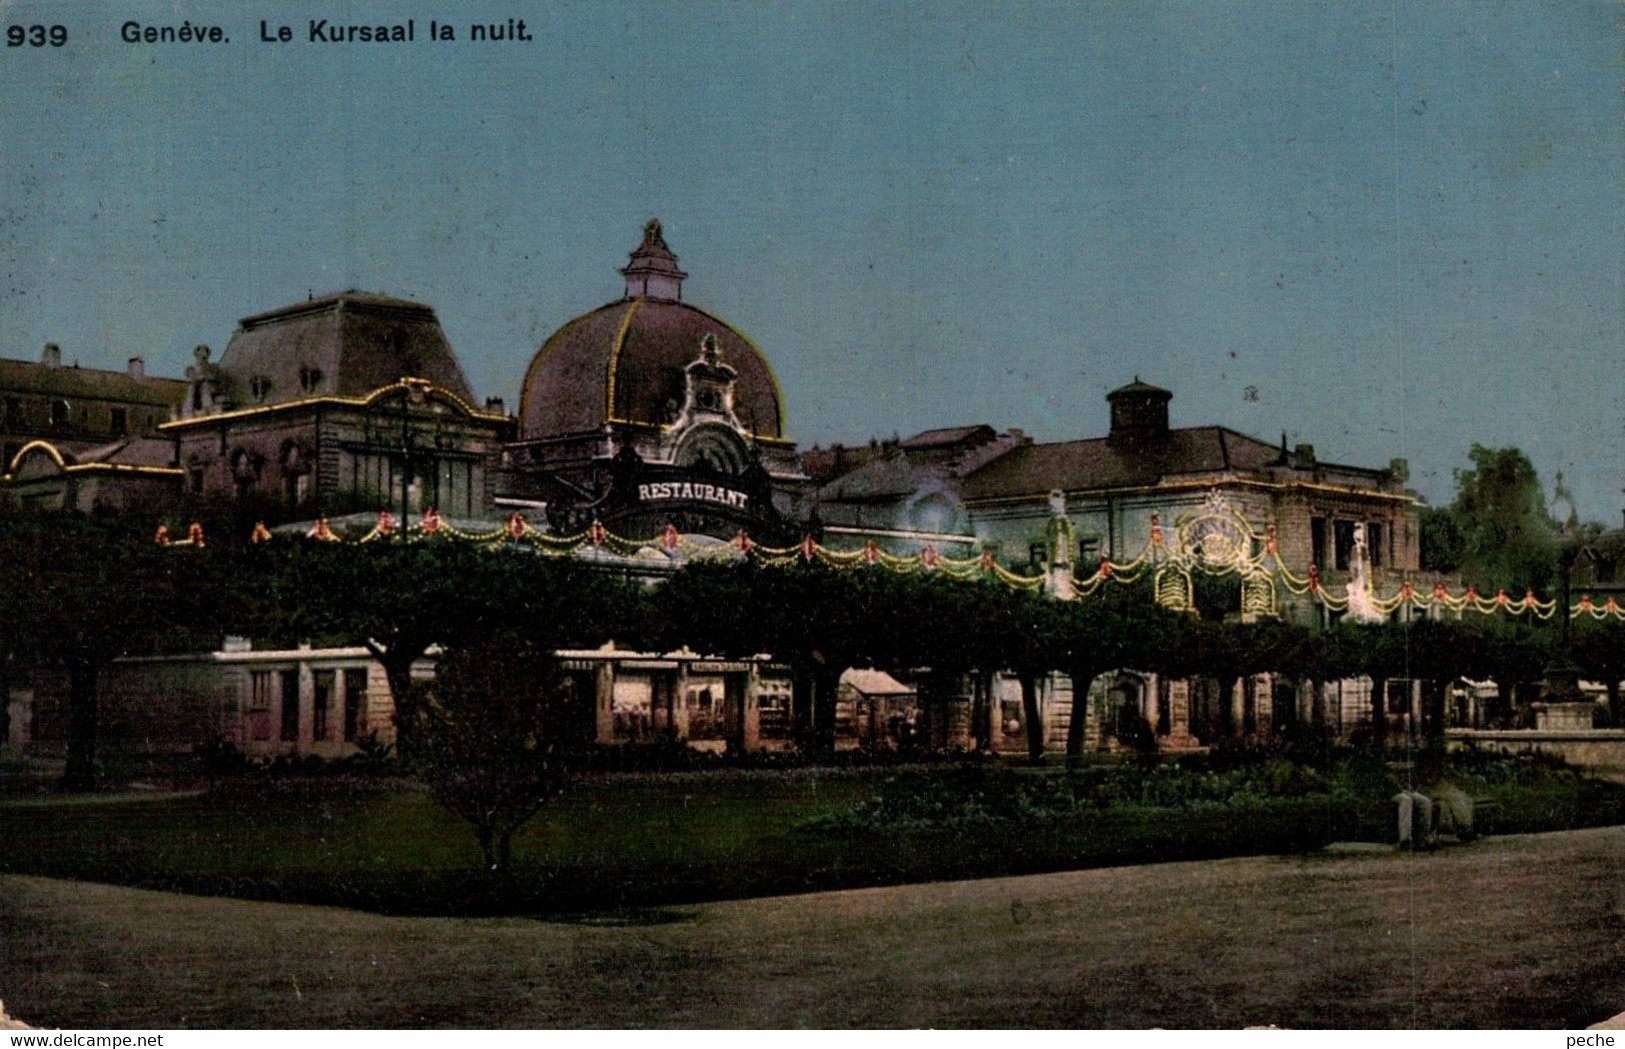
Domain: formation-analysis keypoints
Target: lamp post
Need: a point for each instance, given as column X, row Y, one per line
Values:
column 1561, row 680
column 1560, row 684
column 412, row 393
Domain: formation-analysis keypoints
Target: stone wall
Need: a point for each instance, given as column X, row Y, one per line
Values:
column 1601, row 751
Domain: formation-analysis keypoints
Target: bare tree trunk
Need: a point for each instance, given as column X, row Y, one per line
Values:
column 826, row 688
column 981, row 713
column 1616, row 717
column 397, row 666
column 1505, row 703
column 1433, row 712
column 801, row 704
column 1077, row 729
column 83, row 722
column 487, row 846
column 1031, row 718
column 1227, row 706
column 1379, row 710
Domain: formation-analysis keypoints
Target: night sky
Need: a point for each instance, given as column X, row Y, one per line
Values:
column 1392, row 230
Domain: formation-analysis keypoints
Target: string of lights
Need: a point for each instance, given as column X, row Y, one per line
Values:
column 1215, row 541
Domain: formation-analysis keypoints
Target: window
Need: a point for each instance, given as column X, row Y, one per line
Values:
column 259, row 691
column 14, row 412
column 1088, row 553
column 59, row 413
column 290, row 706
column 119, row 421
column 1373, row 542
column 1343, row 537
column 1317, row 541
column 321, row 698
column 194, row 478
column 355, row 701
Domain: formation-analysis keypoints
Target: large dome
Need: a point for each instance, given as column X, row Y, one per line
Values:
column 624, row 362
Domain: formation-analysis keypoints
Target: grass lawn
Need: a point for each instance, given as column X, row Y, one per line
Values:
column 1507, row 932
column 634, row 841
column 369, row 846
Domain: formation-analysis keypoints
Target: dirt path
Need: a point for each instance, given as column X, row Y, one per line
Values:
column 1510, row 932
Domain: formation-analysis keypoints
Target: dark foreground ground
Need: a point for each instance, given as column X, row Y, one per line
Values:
column 1525, row 931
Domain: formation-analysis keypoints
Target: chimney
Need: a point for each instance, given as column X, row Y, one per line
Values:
column 52, row 357
column 1305, row 454
column 138, row 369
column 495, row 406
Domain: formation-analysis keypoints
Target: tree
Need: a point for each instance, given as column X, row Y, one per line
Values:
column 1511, row 653
column 1507, row 537
column 1599, row 648
column 89, row 590
column 1380, row 651
column 820, row 620
column 399, row 599
column 1118, row 629
column 1032, row 629
column 486, row 734
column 1441, row 651
column 1441, row 541
column 1231, row 652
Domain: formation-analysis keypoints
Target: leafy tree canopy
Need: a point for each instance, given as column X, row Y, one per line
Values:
column 1505, row 532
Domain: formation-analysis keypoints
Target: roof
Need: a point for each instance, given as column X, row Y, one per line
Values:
column 130, row 451
column 881, row 478
column 73, row 381
column 346, row 344
column 1141, row 388
column 875, row 683
column 624, row 362
column 948, row 436
column 1102, row 463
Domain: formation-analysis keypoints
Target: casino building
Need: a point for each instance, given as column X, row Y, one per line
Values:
column 649, row 411
column 645, row 412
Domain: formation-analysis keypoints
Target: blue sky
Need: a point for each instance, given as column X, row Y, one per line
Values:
column 1399, row 224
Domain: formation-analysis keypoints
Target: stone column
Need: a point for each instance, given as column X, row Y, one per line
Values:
column 750, row 732
column 307, row 704
column 1093, row 738
column 958, row 707
column 1152, row 701
column 679, row 703
column 1179, row 717
column 1264, row 703
column 603, row 680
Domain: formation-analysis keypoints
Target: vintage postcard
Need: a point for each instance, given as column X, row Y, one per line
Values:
column 900, row 515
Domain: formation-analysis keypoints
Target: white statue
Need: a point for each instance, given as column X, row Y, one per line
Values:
column 1058, row 543
column 1361, row 607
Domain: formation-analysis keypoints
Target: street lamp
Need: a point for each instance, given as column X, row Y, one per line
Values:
column 1561, row 681
column 412, row 393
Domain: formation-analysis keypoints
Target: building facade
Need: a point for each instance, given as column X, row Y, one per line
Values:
column 647, row 413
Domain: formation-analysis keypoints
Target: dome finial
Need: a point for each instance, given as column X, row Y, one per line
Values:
column 653, row 272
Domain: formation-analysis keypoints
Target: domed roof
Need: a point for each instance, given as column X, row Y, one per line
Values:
column 624, row 362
